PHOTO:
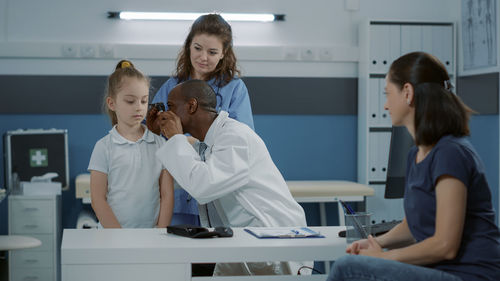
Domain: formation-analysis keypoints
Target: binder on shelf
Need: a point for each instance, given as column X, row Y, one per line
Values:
column 373, row 102
column 394, row 44
column 373, row 163
column 411, row 38
column 375, row 48
column 383, row 156
column 384, row 116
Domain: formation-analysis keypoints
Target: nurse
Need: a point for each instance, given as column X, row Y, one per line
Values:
column 229, row 172
column 207, row 55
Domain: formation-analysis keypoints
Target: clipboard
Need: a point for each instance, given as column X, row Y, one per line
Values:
column 283, row 232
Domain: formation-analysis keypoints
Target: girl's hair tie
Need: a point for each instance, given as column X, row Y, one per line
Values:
column 125, row 64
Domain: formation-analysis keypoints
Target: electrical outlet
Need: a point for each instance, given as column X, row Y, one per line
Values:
column 69, row 50
column 291, row 54
column 325, row 54
column 87, row 51
column 106, row 51
column 307, row 54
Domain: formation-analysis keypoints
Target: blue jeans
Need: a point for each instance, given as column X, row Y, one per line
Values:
column 354, row 268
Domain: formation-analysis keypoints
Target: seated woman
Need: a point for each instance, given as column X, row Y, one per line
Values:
column 448, row 232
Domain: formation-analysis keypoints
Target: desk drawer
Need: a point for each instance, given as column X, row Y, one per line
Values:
column 31, row 274
column 47, row 242
column 39, row 208
column 29, row 225
column 31, row 259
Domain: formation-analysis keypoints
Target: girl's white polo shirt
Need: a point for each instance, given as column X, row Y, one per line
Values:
column 133, row 176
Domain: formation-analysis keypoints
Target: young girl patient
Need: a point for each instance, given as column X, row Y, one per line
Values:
column 129, row 186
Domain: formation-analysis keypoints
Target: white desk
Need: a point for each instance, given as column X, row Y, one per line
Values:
column 329, row 191
column 152, row 254
column 303, row 191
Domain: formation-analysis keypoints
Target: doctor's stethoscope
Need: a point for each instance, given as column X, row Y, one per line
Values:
column 217, row 96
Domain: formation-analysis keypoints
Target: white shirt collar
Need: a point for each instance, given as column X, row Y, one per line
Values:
column 119, row 139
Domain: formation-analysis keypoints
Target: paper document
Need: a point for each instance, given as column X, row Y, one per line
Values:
column 283, row 232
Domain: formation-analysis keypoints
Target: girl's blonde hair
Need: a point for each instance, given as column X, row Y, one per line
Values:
column 124, row 68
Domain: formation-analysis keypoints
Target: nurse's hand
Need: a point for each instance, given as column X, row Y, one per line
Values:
column 192, row 140
column 151, row 120
column 170, row 124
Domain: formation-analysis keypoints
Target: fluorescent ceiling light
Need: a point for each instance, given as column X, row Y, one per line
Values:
column 126, row 15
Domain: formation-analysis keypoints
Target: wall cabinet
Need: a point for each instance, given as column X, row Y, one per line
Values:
column 380, row 43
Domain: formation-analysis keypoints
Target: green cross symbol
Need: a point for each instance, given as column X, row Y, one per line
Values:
column 39, row 157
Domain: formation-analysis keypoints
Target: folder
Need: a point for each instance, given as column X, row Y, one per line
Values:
column 283, row 232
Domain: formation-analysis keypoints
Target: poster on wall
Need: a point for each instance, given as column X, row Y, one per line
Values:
column 479, row 34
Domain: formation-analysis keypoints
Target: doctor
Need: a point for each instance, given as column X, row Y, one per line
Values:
column 229, row 172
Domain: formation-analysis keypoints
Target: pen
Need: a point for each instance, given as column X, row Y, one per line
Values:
column 296, row 233
column 357, row 225
column 348, row 208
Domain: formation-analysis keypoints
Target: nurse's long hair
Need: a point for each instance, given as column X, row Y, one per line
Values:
column 226, row 69
column 438, row 111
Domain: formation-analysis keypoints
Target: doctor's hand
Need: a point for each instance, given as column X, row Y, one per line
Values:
column 170, row 124
column 151, row 120
column 374, row 249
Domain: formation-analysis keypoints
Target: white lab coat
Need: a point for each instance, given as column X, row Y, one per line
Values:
column 238, row 176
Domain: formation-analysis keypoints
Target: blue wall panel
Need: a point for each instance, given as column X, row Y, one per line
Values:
column 312, row 147
column 304, row 147
column 484, row 138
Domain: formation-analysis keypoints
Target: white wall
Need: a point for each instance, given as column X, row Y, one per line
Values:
column 34, row 33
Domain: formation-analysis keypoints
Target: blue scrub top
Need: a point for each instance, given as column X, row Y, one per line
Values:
column 233, row 98
column 479, row 254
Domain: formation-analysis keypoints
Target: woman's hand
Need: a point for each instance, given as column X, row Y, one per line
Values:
column 356, row 246
column 374, row 249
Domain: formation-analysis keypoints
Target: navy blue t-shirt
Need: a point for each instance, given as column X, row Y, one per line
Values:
column 479, row 254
